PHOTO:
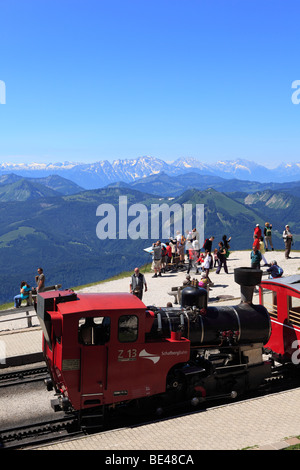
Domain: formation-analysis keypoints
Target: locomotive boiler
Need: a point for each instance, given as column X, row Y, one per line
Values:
column 105, row 350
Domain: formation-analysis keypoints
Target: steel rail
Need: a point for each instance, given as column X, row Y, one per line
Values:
column 19, row 377
column 37, row 433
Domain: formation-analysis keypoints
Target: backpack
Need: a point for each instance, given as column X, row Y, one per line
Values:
column 280, row 271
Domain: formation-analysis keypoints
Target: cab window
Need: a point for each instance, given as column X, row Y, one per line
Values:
column 269, row 300
column 94, row 330
column 128, row 328
column 294, row 310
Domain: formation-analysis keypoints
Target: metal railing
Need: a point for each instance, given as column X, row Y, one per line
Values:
column 9, row 312
column 28, row 309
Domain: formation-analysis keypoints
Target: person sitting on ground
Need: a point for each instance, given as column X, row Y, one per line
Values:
column 187, row 281
column 24, row 294
column 203, row 281
column 275, row 270
column 204, row 284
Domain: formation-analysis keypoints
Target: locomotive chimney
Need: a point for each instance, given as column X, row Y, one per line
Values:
column 194, row 297
column 247, row 278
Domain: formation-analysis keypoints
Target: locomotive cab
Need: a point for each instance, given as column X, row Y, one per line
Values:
column 98, row 350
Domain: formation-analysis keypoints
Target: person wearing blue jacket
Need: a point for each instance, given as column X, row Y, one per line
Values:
column 274, row 270
column 24, row 294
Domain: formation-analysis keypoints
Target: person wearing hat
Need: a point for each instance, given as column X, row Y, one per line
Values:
column 268, row 236
column 288, row 240
column 257, row 231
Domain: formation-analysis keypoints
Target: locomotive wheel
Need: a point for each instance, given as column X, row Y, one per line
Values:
column 247, row 276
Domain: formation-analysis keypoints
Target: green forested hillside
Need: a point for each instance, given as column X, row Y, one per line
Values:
column 16, row 188
column 277, row 207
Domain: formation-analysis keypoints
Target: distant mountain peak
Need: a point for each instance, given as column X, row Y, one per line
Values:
column 101, row 173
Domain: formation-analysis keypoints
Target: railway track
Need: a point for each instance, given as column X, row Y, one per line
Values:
column 39, row 433
column 22, row 376
column 67, row 426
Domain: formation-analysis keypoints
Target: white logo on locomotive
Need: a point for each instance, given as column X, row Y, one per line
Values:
column 145, row 355
column 153, row 357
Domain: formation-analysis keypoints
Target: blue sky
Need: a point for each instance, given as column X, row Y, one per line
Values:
column 95, row 79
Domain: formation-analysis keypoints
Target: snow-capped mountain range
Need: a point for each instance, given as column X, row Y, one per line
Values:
column 102, row 173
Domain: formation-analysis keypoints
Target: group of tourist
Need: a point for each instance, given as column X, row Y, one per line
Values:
column 25, row 288
column 180, row 251
column 261, row 244
column 183, row 249
column 175, row 251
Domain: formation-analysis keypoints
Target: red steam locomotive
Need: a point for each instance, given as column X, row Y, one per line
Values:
column 105, row 350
